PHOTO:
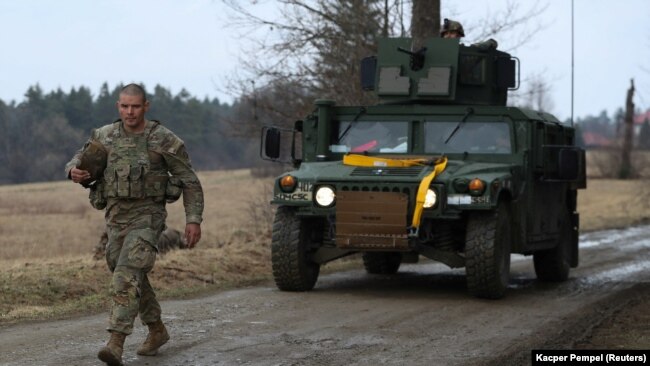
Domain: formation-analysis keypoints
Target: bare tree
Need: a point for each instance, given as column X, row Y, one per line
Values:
column 314, row 47
column 278, row 103
column 626, row 171
column 315, row 44
column 425, row 21
column 513, row 23
column 536, row 95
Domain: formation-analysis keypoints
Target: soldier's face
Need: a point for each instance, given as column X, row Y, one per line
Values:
column 451, row 34
column 132, row 109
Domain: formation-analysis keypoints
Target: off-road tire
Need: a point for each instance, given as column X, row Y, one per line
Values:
column 553, row 265
column 382, row 262
column 487, row 253
column 291, row 247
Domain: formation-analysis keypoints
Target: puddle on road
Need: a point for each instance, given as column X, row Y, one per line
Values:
column 612, row 236
column 616, row 274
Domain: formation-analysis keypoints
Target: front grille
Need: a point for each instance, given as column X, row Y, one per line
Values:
column 374, row 188
column 387, row 172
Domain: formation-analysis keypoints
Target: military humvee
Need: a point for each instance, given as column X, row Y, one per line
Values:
column 440, row 168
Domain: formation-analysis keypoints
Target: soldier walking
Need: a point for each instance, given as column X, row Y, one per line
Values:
column 142, row 166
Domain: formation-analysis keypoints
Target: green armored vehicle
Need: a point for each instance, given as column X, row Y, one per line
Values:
column 440, row 168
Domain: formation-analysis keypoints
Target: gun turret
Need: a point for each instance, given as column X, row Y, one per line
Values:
column 443, row 72
column 417, row 57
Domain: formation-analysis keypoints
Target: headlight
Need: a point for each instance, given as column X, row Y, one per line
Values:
column 325, row 196
column 430, row 199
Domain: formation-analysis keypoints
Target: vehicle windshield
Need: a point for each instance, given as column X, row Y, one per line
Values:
column 471, row 137
column 371, row 136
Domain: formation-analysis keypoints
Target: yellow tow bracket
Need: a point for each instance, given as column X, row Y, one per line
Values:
column 372, row 161
column 440, row 165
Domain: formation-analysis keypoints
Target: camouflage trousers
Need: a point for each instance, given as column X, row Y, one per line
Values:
column 131, row 254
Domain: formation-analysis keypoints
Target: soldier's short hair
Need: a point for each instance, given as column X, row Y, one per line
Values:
column 134, row 90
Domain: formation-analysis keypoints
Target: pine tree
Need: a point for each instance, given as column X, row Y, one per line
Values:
column 104, row 107
column 79, row 109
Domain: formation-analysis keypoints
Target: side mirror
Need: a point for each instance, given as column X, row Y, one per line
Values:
column 507, row 73
column 568, row 164
column 271, row 143
column 368, row 72
column 564, row 164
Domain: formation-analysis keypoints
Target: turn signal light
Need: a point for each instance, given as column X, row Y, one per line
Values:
column 288, row 183
column 476, row 187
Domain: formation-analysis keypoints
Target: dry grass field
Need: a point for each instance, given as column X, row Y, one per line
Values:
column 604, row 163
column 611, row 203
column 48, row 231
column 47, row 220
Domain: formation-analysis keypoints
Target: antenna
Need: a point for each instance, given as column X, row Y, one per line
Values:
column 572, row 63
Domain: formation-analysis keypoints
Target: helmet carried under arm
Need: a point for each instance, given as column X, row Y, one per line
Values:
column 93, row 159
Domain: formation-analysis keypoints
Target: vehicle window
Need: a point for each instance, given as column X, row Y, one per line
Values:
column 471, row 137
column 371, row 136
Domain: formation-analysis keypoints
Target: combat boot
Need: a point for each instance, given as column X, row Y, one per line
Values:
column 155, row 339
column 112, row 352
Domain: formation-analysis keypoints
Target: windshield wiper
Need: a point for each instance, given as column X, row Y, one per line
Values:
column 470, row 111
column 362, row 111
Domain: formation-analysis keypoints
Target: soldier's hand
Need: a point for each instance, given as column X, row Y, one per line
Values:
column 192, row 234
column 79, row 175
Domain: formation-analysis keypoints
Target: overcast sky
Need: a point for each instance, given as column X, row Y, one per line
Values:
column 187, row 44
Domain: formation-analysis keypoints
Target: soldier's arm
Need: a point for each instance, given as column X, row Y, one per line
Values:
column 486, row 45
column 178, row 164
column 76, row 159
column 74, row 162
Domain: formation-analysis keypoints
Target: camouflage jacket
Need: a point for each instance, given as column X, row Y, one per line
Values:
column 166, row 155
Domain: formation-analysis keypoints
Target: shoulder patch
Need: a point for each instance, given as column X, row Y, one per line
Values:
column 164, row 140
column 175, row 146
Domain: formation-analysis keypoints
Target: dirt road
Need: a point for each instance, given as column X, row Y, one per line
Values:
column 421, row 316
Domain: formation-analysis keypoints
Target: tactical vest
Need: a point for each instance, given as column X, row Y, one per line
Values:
column 129, row 173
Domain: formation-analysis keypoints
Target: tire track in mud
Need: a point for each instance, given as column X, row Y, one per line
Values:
column 624, row 281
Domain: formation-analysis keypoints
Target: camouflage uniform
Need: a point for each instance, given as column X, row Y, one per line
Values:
column 170, row 239
column 133, row 191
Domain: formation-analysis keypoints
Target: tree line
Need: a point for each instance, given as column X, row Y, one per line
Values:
column 41, row 133
column 610, row 130
column 314, row 52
